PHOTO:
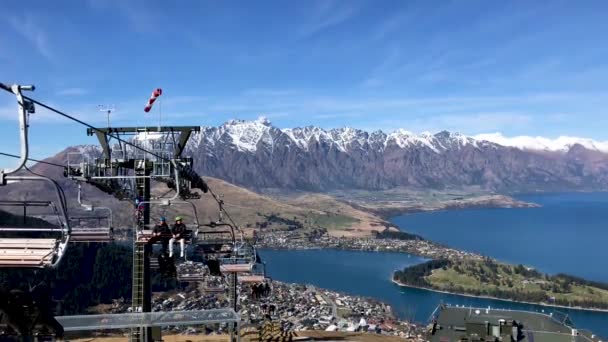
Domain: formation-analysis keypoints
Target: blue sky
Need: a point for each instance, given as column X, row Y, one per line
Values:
column 516, row 67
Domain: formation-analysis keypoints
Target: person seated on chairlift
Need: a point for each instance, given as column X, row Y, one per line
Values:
column 162, row 232
column 179, row 232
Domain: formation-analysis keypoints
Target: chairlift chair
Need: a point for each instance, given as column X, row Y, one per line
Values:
column 242, row 260
column 190, row 278
column 85, row 229
column 30, row 246
column 144, row 235
column 256, row 276
column 216, row 238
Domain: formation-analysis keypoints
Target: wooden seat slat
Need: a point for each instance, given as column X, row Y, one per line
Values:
column 27, row 247
column 25, row 252
column 19, row 252
column 25, row 257
column 22, row 241
column 106, row 239
column 235, row 268
column 251, row 279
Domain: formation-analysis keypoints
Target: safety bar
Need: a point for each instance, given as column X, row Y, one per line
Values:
column 169, row 202
column 25, row 203
column 90, row 207
column 219, row 224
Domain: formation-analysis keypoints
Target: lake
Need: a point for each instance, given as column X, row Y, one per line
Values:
column 368, row 274
column 569, row 234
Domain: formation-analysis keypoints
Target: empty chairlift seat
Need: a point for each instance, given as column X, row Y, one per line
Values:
column 257, row 274
column 92, row 228
column 143, row 236
column 251, row 279
column 235, row 268
column 92, row 235
column 190, row 278
column 19, row 252
column 35, row 243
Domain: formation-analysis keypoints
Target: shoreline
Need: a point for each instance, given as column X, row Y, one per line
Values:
column 490, row 201
column 467, row 205
column 501, row 299
column 443, row 291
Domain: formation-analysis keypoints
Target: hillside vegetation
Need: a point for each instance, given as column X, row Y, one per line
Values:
column 252, row 211
column 89, row 274
column 513, row 282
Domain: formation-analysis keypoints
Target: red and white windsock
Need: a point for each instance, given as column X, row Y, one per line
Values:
column 155, row 94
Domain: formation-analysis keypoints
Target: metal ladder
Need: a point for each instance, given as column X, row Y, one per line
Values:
column 140, row 251
column 232, row 297
column 138, row 287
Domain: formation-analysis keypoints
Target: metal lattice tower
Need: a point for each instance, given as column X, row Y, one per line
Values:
column 134, row 170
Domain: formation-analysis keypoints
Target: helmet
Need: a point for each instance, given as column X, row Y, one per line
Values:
column 163, row 219
column 178, row 218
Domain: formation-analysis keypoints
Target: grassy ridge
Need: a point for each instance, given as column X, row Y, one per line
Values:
column 514, row 282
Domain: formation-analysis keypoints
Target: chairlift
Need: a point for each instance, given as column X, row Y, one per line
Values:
column 256, row 276
column 92, row 228
column 190, row 277
column 216, row 238
column 145, row 235
column 242, row 260
column 242, row 256
column 33, row 246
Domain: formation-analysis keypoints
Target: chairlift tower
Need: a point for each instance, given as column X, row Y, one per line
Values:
column 127, row 173
column 119, row 170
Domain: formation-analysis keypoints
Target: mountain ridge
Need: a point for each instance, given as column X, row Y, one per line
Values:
column 246, row 134
column 258, row 155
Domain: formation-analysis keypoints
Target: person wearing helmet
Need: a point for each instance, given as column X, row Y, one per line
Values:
column 179, row 232
column 162, row 232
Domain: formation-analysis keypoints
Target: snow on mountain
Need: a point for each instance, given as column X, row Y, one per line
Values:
column 560, row 144
column 246, row 136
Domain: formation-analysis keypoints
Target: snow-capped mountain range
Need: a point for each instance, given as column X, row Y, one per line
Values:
column 246, row 135
column 257, row 154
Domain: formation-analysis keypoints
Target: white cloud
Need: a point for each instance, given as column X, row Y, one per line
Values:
column 72, row 92
column 28, row 27
column 561, row 143
column 480, row 122
column 328, row 13
column 140, row 14
column 8, row 112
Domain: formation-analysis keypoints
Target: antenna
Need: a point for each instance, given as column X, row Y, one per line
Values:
column 108, row 109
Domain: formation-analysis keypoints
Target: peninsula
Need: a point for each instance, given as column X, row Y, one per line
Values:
column 492, row 279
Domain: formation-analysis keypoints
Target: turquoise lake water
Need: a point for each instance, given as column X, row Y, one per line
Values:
column 568, row 234
column 368, row 274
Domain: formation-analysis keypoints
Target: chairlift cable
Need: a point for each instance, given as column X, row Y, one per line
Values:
column 32, row 159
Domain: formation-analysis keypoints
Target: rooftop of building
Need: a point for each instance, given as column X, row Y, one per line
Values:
column 486, row 324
